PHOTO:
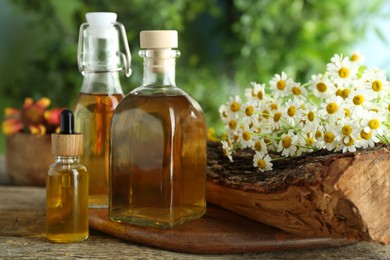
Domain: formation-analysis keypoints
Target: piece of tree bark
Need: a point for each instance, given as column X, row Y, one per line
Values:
column 320, row 195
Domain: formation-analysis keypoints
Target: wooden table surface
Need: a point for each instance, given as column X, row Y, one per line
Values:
column 22, row 236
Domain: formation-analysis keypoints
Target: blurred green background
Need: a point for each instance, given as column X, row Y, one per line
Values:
column 225, row 44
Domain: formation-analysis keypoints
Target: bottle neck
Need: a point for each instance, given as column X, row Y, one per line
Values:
column 101, row 82
column 67, row 159
column 159, row 67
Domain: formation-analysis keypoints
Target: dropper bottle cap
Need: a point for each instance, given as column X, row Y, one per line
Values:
column 67, row 142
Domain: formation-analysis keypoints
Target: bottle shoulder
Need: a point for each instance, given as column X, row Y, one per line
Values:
column 161, row 101
column 152, row 90
column 70, row 167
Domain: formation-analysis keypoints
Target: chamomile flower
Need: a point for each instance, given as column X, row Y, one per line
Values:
column 341, row 71
column 310, row 115
column 357, row 58
column 232, row 125
column 293, row 110
column 347, row 144
column 276, row 120
column 257, row 92
column 358, row 101
column 262, row 162
column 234, row 105
column 367, row 139
column 373, row 122
column 329, row 138
column 310, row 140
column 223, row 113
column 321, row 86
column 332, row 108
column 280, row 85
column 245, row 136
column 288, row 144
column 347, row 131
column 376, row 82
column 227, row 150
column 250, row 111
column 259, row 145
column 298, row 90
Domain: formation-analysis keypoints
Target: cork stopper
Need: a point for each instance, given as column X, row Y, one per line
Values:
column 159, row 39
column 158, row 45
column 67, row 142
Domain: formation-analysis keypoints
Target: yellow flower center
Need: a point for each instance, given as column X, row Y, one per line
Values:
column 249, row 110
column 277, row 116
column 286, row 142
column 261, row 164
column 344, row 72
column 296, row 91
column 388, row 107
column 235, row 106
column 364, row 135
column 232, row 124
column 377, row 86
column 291, row 111
column 332, row 108
column 350, row 141
column 355, row 57
column 224, row 114
column 318, row 134
column 347, row 112
column 339, row 92
column 321, row 87
column 374, row 123
column 328, row 137
column 346, row 130
column 309, row 141
column 260, row 95
column 311, row 116
column 358, row 100
column 246, row 136
column 274, row 106
column 345, row 92
column 258, row 146
column 281, row 84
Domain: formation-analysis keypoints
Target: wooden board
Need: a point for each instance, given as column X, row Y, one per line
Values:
column 218, row 231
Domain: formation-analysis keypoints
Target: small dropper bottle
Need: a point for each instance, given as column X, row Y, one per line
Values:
column 67, row 186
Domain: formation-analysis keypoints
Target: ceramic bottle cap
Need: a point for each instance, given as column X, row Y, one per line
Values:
column 159, row 39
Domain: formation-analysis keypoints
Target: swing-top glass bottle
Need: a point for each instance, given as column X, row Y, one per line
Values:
column 100, row 62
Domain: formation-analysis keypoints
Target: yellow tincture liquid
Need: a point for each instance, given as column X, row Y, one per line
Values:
column 93, row 115
column 158, row 156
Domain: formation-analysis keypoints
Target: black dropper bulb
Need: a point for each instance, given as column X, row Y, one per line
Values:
column 67, row 122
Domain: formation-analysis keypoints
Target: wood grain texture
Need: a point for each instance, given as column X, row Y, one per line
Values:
column 320, row 195
column 219, row 231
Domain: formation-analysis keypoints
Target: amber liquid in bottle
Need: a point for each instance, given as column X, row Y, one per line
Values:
column 158, row 160
column 67, row 203
column 93, row 115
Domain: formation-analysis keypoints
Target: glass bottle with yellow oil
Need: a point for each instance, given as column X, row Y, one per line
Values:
column 158, row 145
column 100, row 62
column 67, row 186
